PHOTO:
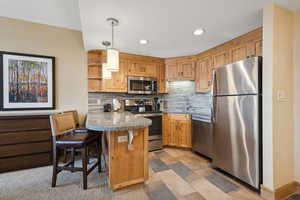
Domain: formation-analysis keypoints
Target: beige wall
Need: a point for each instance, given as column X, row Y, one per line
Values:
column 278, row 118
column 65, row 44
column 297, row 92
column 268, row 22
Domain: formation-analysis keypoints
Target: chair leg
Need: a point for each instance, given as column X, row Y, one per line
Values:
column 73, row 158
column 98, row 149
column 84, row 166
column 65, row 155
column 54, row 163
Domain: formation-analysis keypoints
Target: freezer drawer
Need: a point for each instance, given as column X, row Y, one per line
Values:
column 237, row 137
column 202, row 137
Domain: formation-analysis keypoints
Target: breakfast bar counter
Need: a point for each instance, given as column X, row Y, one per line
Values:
column 115, row 121
column 126, row 136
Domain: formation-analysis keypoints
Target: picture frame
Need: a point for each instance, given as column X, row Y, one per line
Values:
column 27, row 81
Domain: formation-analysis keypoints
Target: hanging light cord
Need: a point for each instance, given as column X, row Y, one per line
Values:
column 112, row 34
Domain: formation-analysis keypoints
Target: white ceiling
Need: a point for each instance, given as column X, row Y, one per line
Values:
column 167, row 24
column 62, row 13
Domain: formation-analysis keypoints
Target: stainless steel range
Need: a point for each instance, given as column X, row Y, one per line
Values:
column 148, row 108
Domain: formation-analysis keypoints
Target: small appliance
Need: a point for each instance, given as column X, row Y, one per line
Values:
column 142, row 85
column 107, row 107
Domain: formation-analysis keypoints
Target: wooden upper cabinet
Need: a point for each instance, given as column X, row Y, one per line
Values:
column 181, row 71
column 172, row 71
column 258, row 47
column 203, row 79
column 118, row 82
column 220, row 58
column 187, row 70
column 142, row 69
column 162, row 83
column 241, row 52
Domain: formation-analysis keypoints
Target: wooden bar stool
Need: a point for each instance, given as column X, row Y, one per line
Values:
column 79, row 129
column 63, row 136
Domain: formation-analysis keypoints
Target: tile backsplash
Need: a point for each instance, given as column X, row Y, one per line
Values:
column 180, row 99
column 97, row 100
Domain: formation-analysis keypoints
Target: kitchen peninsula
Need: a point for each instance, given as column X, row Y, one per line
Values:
column 127, row 139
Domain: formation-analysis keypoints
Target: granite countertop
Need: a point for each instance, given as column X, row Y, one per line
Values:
column 28, row 112
column 115, row 121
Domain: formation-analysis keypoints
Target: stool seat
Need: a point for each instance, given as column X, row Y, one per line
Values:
column 75, row 139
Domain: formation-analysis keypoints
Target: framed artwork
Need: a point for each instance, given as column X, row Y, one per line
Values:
column 26, row 81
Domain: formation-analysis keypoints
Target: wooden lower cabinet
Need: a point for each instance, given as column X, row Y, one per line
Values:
column 177, row 130
column 25, row 142
column 128, row 166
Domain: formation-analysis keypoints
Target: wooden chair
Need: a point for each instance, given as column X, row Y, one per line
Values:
column 79, row 129
column 63, row 136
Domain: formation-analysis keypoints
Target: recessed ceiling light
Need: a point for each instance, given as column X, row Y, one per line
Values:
column 199, row 31
column 144, row 41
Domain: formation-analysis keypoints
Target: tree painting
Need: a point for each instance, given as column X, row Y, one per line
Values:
column 27, row 81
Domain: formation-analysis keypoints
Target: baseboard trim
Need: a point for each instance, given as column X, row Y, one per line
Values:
column 279, row 193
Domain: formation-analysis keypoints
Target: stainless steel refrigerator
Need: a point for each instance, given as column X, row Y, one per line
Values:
column 237, row 120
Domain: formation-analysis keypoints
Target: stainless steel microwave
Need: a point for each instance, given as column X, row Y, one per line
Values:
column 142, row 85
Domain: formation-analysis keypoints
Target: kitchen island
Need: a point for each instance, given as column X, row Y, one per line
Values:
column 127, row 146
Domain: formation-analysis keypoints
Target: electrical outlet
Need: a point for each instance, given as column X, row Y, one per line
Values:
column 123, row 138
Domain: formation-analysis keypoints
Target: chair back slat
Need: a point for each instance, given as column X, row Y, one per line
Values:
column 75, row 115
column 62, row 123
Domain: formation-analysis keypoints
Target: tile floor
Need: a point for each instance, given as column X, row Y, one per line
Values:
column 174, row 175
column 180, row 174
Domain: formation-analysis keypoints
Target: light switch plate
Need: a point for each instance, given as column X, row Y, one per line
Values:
column 123, row 138
column 282, row 96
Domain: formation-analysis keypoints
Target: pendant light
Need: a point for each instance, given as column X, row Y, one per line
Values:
column 106, row 74
column 112, row 55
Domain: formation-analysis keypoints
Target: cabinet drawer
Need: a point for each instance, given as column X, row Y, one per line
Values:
column 179, row 117
column 24, row 162
column 24, row 123
column 24, row 137
column 23, row 149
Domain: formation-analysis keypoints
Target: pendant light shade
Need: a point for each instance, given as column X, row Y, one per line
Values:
column 112, row 55
column 112, row 60
column 106, row 74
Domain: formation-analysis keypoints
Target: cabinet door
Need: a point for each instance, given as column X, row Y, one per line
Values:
column 162, row 87
column 242, row 52
column 203, row 75
column 221, row 58
column 142, row 69
column 151, row 70
column 118, row 82
column 187, row 70
column 258, row 48
column 184, row 134
column 166, row 129
column 136, row 69
column 172, row 72
column 173, row 136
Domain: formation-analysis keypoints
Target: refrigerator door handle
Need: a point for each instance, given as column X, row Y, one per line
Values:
column 213, row 106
